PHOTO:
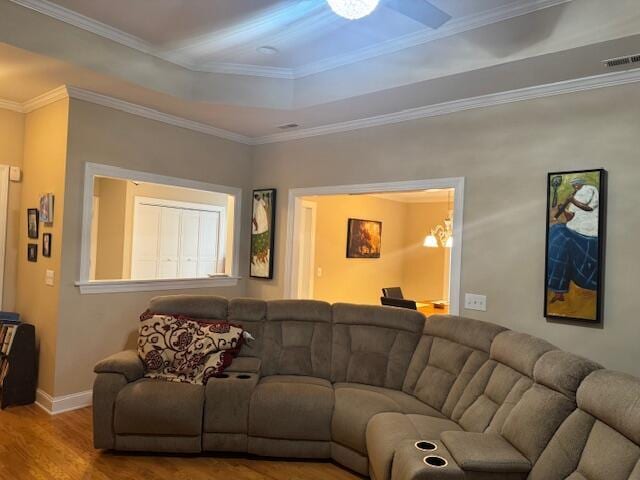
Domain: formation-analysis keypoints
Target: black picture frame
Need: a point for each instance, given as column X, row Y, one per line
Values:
column 33, row 223
column 355, row 246
column 32, row 252
column 565, row 273
column 261, row 251
column 46, row 244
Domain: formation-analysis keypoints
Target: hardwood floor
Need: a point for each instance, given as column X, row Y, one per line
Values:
column 34, row 445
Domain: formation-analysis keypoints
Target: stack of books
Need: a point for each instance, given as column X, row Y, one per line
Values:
column 9, row 322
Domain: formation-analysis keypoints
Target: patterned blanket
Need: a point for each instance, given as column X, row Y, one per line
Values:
column 179, row 349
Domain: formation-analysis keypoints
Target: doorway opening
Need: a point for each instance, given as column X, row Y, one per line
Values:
column 348, row 243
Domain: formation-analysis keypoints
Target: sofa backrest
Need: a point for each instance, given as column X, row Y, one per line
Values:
column 500, row 383
column 450, row 352
column 601, row 439
column 552, row 398
column 373, row 345
column 206, row 307
column 297, row 338
column 251, row 315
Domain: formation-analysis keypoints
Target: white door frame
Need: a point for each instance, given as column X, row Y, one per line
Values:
column 299, row 234
column 4, row 206
column 291, row 267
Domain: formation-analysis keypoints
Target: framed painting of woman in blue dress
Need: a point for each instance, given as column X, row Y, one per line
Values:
column 574, row 270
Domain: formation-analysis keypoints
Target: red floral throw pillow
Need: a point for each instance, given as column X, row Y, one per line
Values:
column 179, row 349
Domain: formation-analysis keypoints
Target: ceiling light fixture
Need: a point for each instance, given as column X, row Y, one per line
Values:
column 441, row 235
column 353, row 9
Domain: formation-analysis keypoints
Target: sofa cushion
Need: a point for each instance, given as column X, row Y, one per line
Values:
column 207, row 307
column 356, row 404
column 563, row 371
column 519, row 351
column 156, row 407
column 292, row 408
column 297, row 338
column 373, row 345
column 387, row 430
column 250, row 314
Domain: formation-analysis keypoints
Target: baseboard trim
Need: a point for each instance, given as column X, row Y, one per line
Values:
column 65, row 403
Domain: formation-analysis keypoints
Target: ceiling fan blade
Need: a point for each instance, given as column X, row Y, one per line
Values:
column 421, row 11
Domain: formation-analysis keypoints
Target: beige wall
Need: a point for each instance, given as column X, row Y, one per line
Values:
column 423, row 273
column 404, row 261
column 112, row 216
column 45, row 149
column 98, row 325
column 357, row 280
column 11, row 152
column 115, row 219
column 504, row 153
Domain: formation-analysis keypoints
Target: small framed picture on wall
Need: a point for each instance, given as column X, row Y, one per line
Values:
column 46, row 245
column 32, row 223
column 32, row 252
column 46, row 208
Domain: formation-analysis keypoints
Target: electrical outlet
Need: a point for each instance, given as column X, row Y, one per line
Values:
column 475, row 302
column 319, row 272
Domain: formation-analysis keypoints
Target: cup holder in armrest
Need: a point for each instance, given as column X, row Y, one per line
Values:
column 243, row 376
column 435, row 461
column 426, row 446
column 222, row 375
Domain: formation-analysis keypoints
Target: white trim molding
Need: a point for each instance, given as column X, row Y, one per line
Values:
column 86, row 285
column 610, row 79
column 65, row 403
column 222, row 38
column 4, row 207
column 295, row 199
column 445, row 108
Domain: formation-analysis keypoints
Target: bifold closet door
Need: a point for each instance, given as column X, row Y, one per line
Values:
column 169, row 242
column 209, row 238
column 145, row 242
column 189, row 234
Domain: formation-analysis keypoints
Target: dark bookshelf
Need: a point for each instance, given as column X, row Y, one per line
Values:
column 19, row 384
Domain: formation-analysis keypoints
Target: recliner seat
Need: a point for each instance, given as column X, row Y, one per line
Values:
column 356, row 383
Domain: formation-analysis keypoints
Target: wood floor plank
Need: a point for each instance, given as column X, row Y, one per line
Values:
column 36, row 446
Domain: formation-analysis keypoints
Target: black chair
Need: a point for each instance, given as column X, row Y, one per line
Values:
column 392, row 292
column 399, row 302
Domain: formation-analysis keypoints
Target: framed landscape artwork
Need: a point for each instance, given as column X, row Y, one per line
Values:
column 364, row 238
column 262, row 233
column 574, row 270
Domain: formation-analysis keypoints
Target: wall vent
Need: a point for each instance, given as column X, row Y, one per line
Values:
column 618, row 61
column 288, row 126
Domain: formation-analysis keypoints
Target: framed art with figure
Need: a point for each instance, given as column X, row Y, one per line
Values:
column 262, row 233
column 574, row 254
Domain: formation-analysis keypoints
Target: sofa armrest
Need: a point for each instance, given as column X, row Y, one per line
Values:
column 245, row 365
column 126, row 363
column 484, row 452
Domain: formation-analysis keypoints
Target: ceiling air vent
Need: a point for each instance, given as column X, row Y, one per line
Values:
column 288, row 126
column 618, row 61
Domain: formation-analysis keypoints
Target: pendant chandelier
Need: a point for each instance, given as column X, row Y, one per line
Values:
column 441, row 235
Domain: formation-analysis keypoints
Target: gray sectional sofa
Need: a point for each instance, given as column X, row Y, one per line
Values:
column 384, row 392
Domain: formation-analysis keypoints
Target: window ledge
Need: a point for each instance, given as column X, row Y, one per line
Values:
column 120, row 286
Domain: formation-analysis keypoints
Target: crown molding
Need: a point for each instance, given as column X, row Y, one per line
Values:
column 67, row 91
column 10, row 105
column 176, row 56
column 493, row 99
column 151, row 114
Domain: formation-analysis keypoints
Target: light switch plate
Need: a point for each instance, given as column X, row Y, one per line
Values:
column 15, row 174
column 49, row 277
column 475, row 302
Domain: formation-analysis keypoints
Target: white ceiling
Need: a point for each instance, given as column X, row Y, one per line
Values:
column 211, row 33
column 380, row 65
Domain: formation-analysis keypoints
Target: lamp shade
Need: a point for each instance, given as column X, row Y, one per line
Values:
column 430, row 241
column 449, row 242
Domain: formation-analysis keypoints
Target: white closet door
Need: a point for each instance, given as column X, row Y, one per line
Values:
column 208, row 243
column 145, row 242
column 189, row 232
column 169, row 241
